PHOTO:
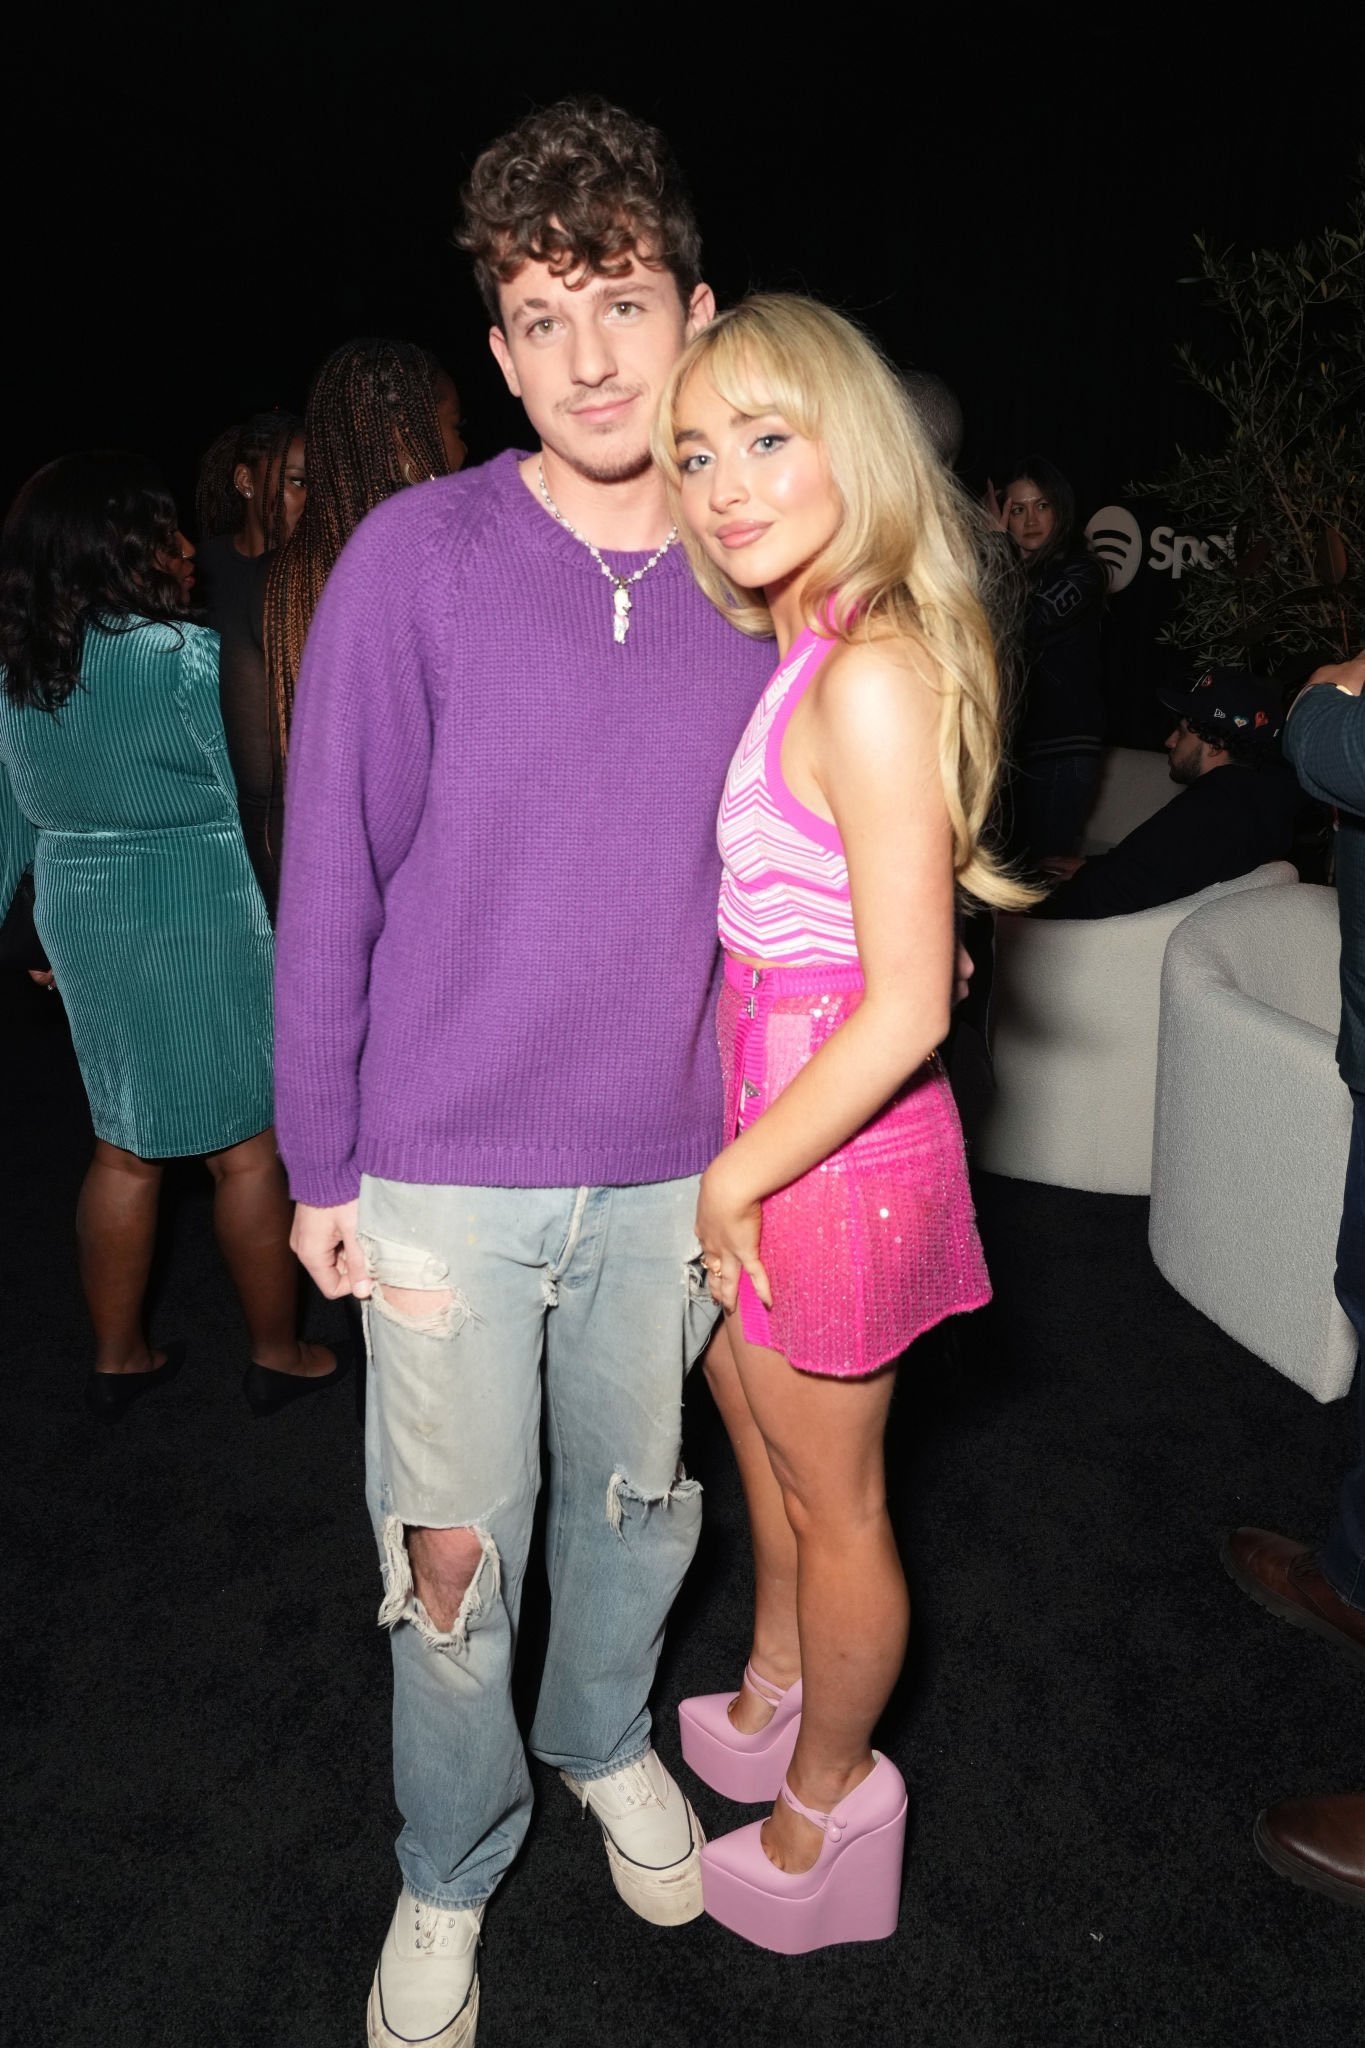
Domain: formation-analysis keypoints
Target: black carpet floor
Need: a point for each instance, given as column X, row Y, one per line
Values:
column 198, row 1811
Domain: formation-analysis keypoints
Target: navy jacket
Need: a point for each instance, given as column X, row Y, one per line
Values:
column 1063, row 707
column 1325, row 741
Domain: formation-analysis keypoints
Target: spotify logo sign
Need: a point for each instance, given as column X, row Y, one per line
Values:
column 1116, row 537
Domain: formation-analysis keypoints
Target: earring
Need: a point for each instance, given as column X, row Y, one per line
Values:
column 408, row 476
column 246, row 491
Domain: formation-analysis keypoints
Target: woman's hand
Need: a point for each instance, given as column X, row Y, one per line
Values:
column 729, row 1224
column 996, row 508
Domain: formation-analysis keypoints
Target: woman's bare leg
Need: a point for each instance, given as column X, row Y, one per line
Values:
column 115, row 1237
column 824, row 1439
column 776, row 1652
column 251, row 1219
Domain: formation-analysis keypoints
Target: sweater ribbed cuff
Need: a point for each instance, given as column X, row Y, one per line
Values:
column 321, row 1187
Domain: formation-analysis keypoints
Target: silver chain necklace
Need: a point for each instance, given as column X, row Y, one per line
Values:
column 620, row 602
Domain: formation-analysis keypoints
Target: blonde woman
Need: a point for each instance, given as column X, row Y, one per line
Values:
column 837, row 1223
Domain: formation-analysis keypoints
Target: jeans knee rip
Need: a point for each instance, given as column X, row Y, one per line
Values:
column 626, row 1501
column 401, row 1601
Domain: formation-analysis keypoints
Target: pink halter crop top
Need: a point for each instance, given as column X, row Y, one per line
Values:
column 784, row 884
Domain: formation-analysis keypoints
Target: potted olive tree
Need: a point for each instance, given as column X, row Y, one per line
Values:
column 1287, row 476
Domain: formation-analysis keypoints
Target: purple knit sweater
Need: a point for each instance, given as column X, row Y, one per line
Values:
column 497, row 954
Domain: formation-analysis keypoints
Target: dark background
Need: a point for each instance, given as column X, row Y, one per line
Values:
column 203, row 204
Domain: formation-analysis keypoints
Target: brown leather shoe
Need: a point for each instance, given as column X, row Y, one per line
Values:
column 1283, row 1576
column 1317, row 1842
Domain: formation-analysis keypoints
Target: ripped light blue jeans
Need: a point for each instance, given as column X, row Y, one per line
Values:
column 592, row 1300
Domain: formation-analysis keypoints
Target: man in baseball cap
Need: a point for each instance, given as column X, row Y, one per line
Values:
column 1230, row 709
column 1235, row 809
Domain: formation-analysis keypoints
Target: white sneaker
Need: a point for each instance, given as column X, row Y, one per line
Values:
column 426, row 1987
column 652, row 1836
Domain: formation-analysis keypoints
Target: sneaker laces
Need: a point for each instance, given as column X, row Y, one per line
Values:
column 635, row 1788
column 630, row 1785
column 432, row 1927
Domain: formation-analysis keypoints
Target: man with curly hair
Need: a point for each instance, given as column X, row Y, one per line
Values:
column 497, row 1070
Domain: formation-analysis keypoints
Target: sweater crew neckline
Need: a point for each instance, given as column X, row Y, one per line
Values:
column 535, row 519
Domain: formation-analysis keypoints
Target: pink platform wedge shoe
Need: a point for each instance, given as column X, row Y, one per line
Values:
column 850, row 1893
column 747, row 1768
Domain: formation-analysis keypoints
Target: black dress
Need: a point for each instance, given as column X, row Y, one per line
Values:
column 234, row 606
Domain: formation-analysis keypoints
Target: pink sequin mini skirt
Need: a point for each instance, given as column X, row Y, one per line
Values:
column 877, row 1243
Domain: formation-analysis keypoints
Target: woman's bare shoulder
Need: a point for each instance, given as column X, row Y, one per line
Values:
column 888, row 672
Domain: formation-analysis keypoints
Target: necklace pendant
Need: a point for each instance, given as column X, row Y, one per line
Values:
column 620, row 605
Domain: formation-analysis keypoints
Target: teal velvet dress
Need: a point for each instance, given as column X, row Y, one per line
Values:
column 144, row 898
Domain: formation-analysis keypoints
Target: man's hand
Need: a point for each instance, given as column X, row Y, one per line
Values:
column 964, row 967
column 1343, row 675
column 325, row 1244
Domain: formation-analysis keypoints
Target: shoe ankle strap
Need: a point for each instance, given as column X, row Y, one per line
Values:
column 773, row 1695
column 830, row 1824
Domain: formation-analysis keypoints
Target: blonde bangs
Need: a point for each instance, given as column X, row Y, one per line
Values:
column 760, row 371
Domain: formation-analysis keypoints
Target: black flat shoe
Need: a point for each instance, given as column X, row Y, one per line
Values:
column 267, row 1391
column 108, row 1395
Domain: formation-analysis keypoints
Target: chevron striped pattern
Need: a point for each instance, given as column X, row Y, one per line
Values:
column 784, row 887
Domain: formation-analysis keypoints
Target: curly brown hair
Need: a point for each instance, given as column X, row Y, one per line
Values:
column 86, row 547
column 579, row 185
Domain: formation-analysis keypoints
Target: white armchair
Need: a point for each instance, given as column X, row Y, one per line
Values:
column 1075, row 1007
column 1134, row 783
column 1253, row 1124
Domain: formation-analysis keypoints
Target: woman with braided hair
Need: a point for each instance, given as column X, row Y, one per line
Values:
column 381, row 415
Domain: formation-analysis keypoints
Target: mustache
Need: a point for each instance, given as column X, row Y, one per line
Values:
column 607, row 394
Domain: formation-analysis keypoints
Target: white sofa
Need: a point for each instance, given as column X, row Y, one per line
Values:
column 1253, row 1124
column 1074, row 1042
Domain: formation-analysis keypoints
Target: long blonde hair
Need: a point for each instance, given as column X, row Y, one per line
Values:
column 906, row 555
